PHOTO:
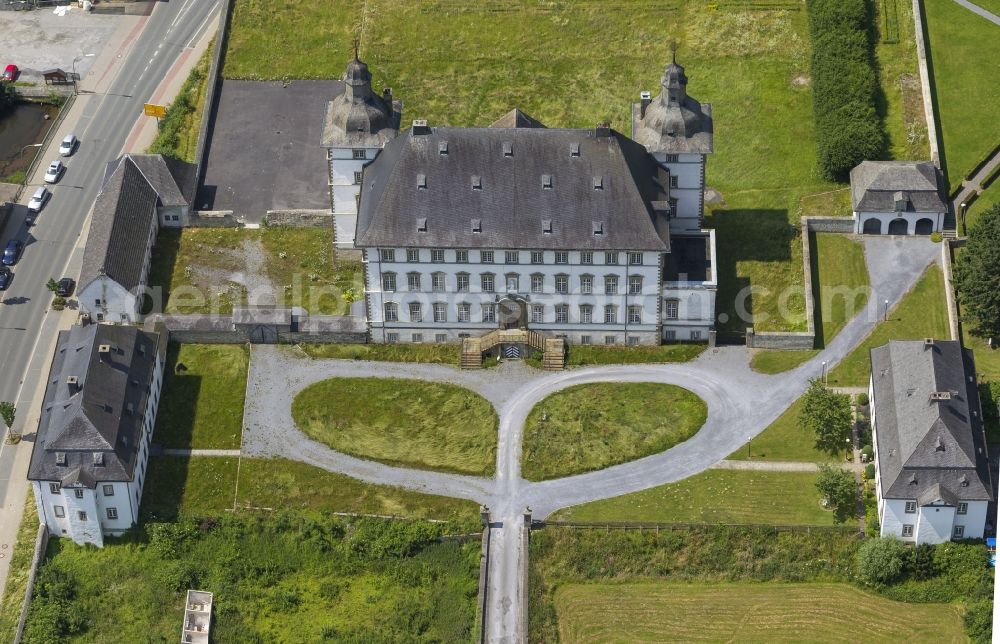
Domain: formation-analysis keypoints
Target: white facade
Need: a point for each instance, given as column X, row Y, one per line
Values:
column 898, row 223
column 346, row 166
column 85, row 515
column 687, row 189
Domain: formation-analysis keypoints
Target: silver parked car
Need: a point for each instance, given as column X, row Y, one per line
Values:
column 54, row 172
column 68, row 145
column 38, row 199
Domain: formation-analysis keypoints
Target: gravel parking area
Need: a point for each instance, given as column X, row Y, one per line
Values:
column 39, row 40
column 264, row 148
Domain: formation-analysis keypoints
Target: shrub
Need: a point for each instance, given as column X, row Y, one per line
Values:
column 862, row 400
column 868, row 454
column 881, row 561
column 979, row 620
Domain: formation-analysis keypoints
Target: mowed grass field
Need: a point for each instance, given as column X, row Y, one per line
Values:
column 593, row 426
column 464, row 63
column 204, row 386
column 963, row 51
column 784, row 440
column 428, row 425
column 715, row 496
column 649, row 611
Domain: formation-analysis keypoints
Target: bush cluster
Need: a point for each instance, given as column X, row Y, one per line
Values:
column 848, row 127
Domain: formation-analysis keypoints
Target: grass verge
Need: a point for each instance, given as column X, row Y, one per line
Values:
column 683, row 612
column 428, row 425
column 922, row 313
column 784, row 440
column 445, row 353
column 715, row 496
column 580, row 355
column 18, row 571
column 203, row 395
column 177, row 133
column 593, row 426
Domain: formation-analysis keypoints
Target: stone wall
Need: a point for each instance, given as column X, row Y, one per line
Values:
column 41, row 543
column 214, row 80
column 300, row 218
column 219, row 329
column 843, row 225
column 213, row 219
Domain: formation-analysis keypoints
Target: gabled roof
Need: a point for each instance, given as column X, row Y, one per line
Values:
column 929, row 422
column 172, row 180
column 124, row 212
column 514, row 119
column 876, row 185
column 92, row 416
column 428, row 185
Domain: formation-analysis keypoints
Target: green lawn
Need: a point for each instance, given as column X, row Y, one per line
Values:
column 593, row 426
column 188, row 487
column 580, row 355
column 899, row 78
column 428, row 425
column 288, row 578
column 715, row 496
column 17, row 574
column 987, row 199
column 784, row 440
column 177, row 134
column 445, row 353
column 963, row 48
column 658, row 611
column 202, row 404
column 210, row 270
column 922, row 313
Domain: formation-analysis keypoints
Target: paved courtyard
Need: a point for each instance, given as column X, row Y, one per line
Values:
column 264, row 148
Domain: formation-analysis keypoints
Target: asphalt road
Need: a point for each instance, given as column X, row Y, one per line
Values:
column 106, row 121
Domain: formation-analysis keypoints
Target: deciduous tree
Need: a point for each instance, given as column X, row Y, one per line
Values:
column 828, row 416
column 839, row 490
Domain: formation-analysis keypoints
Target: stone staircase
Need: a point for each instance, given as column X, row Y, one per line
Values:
column 553, row 349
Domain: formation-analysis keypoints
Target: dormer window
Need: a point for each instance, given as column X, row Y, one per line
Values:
column 574, row 149
column 477, row 182
column 508, row 149
column 60, row 458
column 422, row 181
column 547, row 182
column 443, row 148
column 422, row 224
column 597, row 227
column 546, row 227
column 477, row 225
column 598, row 183
column 98, row 458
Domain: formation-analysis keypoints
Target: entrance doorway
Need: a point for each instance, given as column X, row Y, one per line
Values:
column 512, row 314
column 898, row 227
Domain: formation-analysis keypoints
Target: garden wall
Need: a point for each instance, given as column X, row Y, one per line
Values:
column 213, row 219
column 219, row 329
column 300, row 218
column 214, row 72
column 41, row 543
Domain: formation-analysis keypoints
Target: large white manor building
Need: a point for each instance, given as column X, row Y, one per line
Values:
column 584, row 234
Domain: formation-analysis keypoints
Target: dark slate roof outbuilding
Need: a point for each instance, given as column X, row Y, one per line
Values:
column 92, row 416
column 522, row 187
column 876, row 186
column 931, row 443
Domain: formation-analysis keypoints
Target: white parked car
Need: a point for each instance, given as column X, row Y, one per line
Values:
column 68, row 145
column 54, row 172
column 38, row 199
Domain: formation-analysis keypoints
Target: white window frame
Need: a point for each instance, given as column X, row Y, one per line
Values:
column 387, row 255
column 437, row 256
column 390, row 310
column 461, row 257
column 109, row 490
column 538, row 313
column 958, row 532
column 587, row 257
column 562, row 257
column 562, row 314
column 413, row 255
column 59, row 511
column 907, row 531
column 671, row 309
column 537, row 257
column 586, row 284
column 586, row 314
column 610, row 314
column 439, row 282
column 416, row 312
column 440, row 312
column 963, row 508
column 489, row 312
column 511, row 257
column 486, row 257
column 413, row 281
column 611, row 284
column 487, row 282
column 634, row 314
column 611, row 257
column 464, row 310
column 462, row 282
column 635, row 258
column 910, row 507
column 112, row 514
column 388, row 282
column 635, row 285
column 537, row 283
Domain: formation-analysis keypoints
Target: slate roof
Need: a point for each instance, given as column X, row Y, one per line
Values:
column 359, row 117
column 673, row 122
column 421, row 191
column 874, row 185
column 172, row 179
column 929, row 449
column 123, row 213
column 103, row 412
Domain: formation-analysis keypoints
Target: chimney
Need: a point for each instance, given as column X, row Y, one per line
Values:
column 645, row 98
column 104, row 349
column 72, row 381
column 387, row 97
column 602, row 130
column 928, row 342
column 420, row 127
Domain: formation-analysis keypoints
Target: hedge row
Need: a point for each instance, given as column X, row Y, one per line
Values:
column 848, row 127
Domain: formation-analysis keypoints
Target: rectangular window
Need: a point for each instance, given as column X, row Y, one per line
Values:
column 696, row 335
column 562, row 313
column 586, row 314
column 911, row 507
column 437, row 282
column 610, row 314
column 610, row 284
column 440, row 312
column 634, row 314
column 486, row 256
column 562, row 284
column 672, row 158
column 963, row 508
column 109, row 490
column 635, row 285
column 388, row 254
column 416, row 338
column 587, row 257
column 633, row 341
column 392, row 338
column 537, row 313
column 59, row 511
column 907, row 529
column 670, row 334
column 440, row 337
column 584, row 339
column 487, row 282
column 673, row 181
column 671, row 309
column 113, row 514
column 959, row 532
column 81, row 515
column 511, row 257
column 391, row 312
column 413, row 255
column 537, row 257
column 610, row 257
column 562, row 257
column 512, row 282
column 609, row 339
column 358, row 154
column 78, row 494
column 489, row 312
column 437, row 256
column 464, row 310
column 461, row 257
column 388, row 282
column 54, row 488
column 413, row 281
column 635, row 258
column 586, row 284
column 462, row 282
column 357, row 177
column 537, row 283
column 416, row 315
